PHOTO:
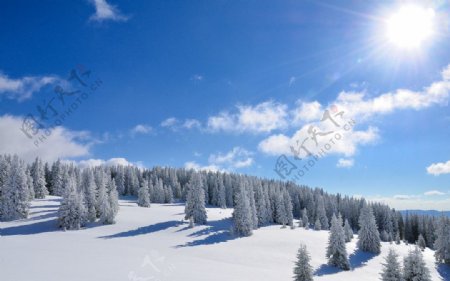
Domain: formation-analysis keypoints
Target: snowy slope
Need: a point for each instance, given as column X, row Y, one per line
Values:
column 152, row 244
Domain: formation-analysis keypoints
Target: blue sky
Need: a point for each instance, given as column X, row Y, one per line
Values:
column 231, row 85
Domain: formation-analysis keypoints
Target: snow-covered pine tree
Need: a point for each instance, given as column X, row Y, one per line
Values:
column 348, row 231
column 251, row 200
column 120, row 179
column 421, row 242
column 317, row 225
column 113, row 197
column 442, row 243
column 15, row 193
column 89, row 189
column 221, row 196
column 288, row 209
column 30, row 184
column 242, row 220
column 195, row 204
column 168, row 194
column 57, row 178
column 336, row 251
column 391, row 268
column 321, row 213
column 100, row 180
column 303, row 271
column 368, row 236
column 305, row 219
column 144, row 195
column 397, row 238
column 38, row 175
column 414, row 267
column 71, row 214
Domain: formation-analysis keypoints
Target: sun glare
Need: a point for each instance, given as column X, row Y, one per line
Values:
column 410, row 26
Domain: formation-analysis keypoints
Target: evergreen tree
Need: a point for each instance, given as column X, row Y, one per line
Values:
column 195, row 204
column 336, row 251
column 391, row 268
column 414, row 267
column 71, row 212
column 442, row 243
column 305, row 219
column 144, row 195
column 39, row 181
column 317, row 225
column 89, row 189
column 321, row 213
column 14, row 202
column 30, row 184
column 348, row 231
column 288, row 209
column 421, row 242
column 242, row 220
column 397, row 238
column 57, row 180
column 368, row 236
column 113, row 196
column 303, row 270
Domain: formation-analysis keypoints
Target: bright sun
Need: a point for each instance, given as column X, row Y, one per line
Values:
column 410, row 26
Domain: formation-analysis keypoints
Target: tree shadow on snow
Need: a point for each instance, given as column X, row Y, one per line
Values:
column 215, row 231
column 144, row 230
column 326, row 269
column 33, row 228
column 45, row 207
column 444, row 271
column 360, row 258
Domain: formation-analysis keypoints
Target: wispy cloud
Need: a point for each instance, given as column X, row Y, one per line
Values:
column 61, row 143
column 141, row 129
column 236, row 158
column 439, row 168
column 175, row 125
column 409, row 202
column 345, row 163
column 119, row 161
column 262, row 118
column 434, row 193
column 24, row 87
column 197, row 78
column 105, row 11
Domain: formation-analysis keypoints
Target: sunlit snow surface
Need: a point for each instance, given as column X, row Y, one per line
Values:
column 153, row 244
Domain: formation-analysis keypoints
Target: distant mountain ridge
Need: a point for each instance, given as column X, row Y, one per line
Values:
column 433, row 213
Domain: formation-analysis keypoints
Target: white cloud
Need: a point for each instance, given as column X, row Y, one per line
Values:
column 175, row 125
column 105, row 11
column 439, row 168
column 345, row 163
column 238, row 157
column 275, row 145
column 262, row 118
column 307, row 112
column 110, row 162
column 23, row 88
column 195, row 166
column 141, row 129
column 334, row 140
column 61, row 143
column 404, row 197
column 169, row 122
column 191, row 123
column 434, row 193
column 410, row 202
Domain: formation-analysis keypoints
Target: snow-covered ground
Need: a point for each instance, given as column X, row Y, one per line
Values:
column 153, row 244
